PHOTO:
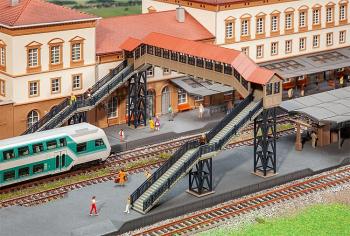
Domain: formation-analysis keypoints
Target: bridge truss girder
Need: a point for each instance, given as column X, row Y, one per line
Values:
column 201, row 177
column 137, row 98
column 265, row 133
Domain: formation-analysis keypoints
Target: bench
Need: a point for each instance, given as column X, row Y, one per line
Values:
column 183, row 107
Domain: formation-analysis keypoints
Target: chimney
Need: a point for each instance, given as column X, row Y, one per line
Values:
column 180, row 14
column 14, row 3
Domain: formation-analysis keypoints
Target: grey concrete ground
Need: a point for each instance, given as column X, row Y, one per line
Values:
column 184, row 123
column 232, row 170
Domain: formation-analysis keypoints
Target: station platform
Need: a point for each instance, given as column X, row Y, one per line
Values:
column 232, row 177
column 184, row 123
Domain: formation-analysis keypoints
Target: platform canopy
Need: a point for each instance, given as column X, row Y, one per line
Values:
column 311, row 63
column 200, row 87
column 327, row 107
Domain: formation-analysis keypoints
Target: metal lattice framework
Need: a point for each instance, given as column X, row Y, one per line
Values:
column 265, row 141
column 201, row 177
column 137, row 98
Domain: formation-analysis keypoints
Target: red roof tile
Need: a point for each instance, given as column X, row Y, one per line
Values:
column 33, row 12
column 238, row 60
column 112, row 32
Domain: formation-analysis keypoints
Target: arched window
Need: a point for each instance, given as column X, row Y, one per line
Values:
column 32, row 117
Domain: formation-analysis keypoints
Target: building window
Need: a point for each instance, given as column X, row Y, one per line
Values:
column 329, row 14
column 2, row 88
column 112, row 107
column 260, row 25
column 316, row 17
column 33, row 57
column 274, row 23
column 302, row 44
column 76, row 52
column 316, row 41
column 342, row 12
column 259, row 51
column 2, row 56
column 289, row 21
column 181, row 96
column 77, row 82
column 150, row 72
column 274, row 48
column 302, row 19
column 329, row 39
column 245, row 27
column 166, row 71
column 34, row 88
column 32, row 118
column 55, row 85
column 277, row 86
column 269, row 89
column 245, row 50
column 55, row 55
column 288, row 46
column 342, row 36
column 229, row 29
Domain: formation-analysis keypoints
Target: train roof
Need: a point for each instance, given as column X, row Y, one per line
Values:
column 74, row 131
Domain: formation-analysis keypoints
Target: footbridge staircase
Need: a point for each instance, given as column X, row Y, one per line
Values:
column 91, row 98
column 190, row 153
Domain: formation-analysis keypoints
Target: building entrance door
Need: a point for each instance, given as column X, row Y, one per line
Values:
column 150, row 104
column 165, row 100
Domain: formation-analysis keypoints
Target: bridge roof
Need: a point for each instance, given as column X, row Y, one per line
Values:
column 238, row 60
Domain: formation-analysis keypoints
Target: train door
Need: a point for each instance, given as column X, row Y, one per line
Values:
column 60, row 159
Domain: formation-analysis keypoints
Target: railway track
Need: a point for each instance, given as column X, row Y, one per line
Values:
column 121, row 159
column 195, row 222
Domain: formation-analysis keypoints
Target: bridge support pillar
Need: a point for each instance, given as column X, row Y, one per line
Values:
column 201, row 178
column 137, row 95
column 265, row 142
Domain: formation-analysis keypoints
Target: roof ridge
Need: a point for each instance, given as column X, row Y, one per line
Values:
column 21, row 12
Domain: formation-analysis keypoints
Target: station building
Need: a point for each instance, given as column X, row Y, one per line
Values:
column 48, row 52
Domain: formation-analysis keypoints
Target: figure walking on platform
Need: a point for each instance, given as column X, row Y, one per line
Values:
column 313, row 139
column 201, row 111
column 148, row 174
column 93, row 206
column 171, row 114
column 72, row 99
column 341, row 81
column 302, row 91
column 151, row 124
column 121, row 135
column 290, row 93
column 127, row 207
column 157, row 123
column 121, row 178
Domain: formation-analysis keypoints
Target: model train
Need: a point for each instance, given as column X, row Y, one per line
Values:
column 51, row 152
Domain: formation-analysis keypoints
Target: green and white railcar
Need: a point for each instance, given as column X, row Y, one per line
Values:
column 51, row 152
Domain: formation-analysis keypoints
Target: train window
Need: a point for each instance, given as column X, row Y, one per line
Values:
column 99, row 143
column 51, row 144
column 23, row 151
column 81, row 147
column 57, row 161
column 38, row 168
column 63, row 142
column 9, row 154
column 9, row 175
column 63, row 160
column 39, row 147
column 23, row 172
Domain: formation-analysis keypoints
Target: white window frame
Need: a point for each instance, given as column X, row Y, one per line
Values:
column 55, row 55
column 76, row 51
column 329, row 39
column 77, row 81
column 316, row 16
column 260, row 25
column 289, row 21
column 342, row 36
column 274, row 23
column 302, row 19
column 245, row 50
column 32, row 117
column 329, row 14
column 34, row 88
column 316, row 41
column 342, row 12
column 259, row 51
column 55, row 85
column 33, row 57
column 229, row 30
column 245, row 27
column 2, row 56
column 288, row 46
column 112, row 107
column 181, row 96
column 274, row 48
column 150, row 72
column 2, row 88
column 302, row 44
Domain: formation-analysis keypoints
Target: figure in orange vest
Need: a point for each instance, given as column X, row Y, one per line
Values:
column 121, row 177
column 93, row 206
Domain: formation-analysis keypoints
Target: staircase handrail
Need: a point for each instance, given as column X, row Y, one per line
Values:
column 89, row 101
column 166, row 166
column 202, row 150
column 65, row 103
column 232, row 114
